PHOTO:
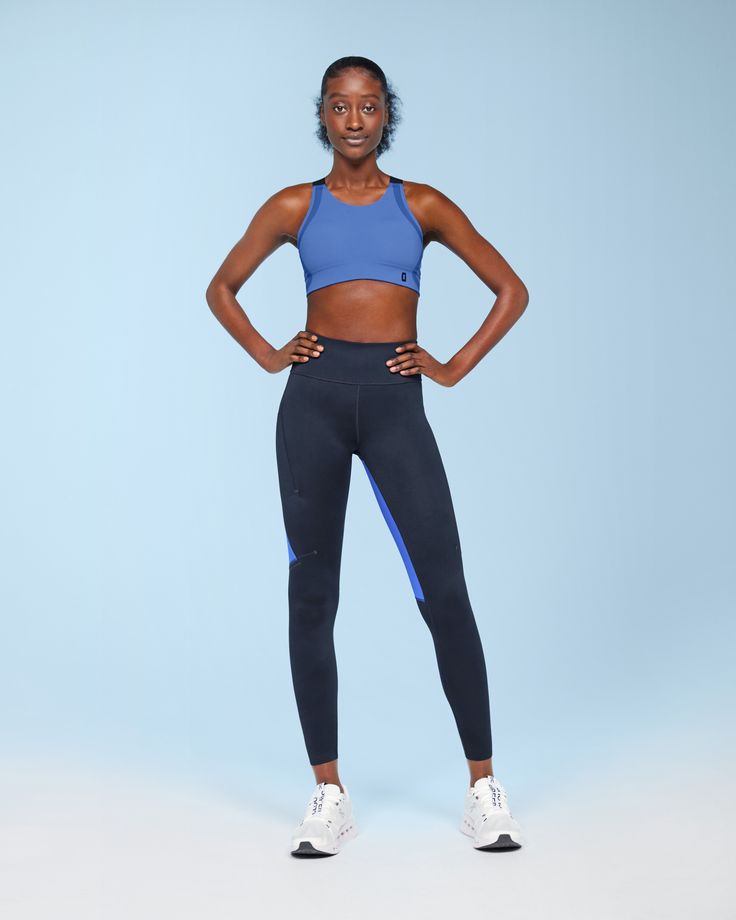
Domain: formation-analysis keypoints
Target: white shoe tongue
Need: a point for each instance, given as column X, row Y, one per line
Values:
column 332, row 787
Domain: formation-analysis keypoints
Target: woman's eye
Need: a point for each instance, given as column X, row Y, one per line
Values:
column 341, row 105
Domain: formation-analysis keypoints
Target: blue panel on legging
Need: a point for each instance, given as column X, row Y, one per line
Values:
column 292, row 554
column 416, row 587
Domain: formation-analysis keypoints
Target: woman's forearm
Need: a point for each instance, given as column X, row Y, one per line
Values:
column 506, row 310
column 231, row 315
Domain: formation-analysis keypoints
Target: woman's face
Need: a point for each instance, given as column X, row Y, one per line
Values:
column 354, row 113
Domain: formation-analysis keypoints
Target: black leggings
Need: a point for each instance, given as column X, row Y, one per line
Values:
column 345, row 402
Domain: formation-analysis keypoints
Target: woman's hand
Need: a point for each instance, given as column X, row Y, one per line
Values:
column 299, row 349
column 413, row 359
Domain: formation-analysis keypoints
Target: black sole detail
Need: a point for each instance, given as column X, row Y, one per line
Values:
column 504, row 842
column 305, row 848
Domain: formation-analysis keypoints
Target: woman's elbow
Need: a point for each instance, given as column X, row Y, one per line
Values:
column 522, row 296
column 211, row 295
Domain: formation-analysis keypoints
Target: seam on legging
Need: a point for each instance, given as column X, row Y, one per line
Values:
column 293, row 563
column 352, row 383
column 290, row 469
column 428, row 607
column 357, row 422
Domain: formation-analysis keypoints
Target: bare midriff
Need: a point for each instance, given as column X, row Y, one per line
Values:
column 363, row 311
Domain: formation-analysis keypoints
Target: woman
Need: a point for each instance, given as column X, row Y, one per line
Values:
column 355, row 387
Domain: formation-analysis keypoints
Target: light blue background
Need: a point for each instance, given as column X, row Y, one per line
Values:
column 590, row 454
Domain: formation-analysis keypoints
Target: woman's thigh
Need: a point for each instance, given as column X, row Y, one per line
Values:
column 314, row 431
column 403, row 461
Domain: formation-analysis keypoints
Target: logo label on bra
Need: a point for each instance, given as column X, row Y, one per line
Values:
column 403, row 276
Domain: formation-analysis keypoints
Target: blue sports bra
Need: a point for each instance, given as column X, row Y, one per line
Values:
column 382, row 241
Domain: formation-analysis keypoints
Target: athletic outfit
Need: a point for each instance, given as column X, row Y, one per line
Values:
column 347, row 401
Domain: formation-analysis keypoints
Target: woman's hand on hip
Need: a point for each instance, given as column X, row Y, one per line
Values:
column 297, row 350
column 413, row 359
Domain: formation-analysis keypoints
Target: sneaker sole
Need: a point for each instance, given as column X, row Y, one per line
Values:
column 504, row 841
column 310, row 846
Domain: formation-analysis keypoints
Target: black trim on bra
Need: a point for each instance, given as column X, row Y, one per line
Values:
column 322, row 181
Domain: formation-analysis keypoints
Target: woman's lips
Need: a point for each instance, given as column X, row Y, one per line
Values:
column 354, row 141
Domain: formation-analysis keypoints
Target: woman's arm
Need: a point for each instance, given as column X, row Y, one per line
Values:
column 442, row 220
column 274, row 223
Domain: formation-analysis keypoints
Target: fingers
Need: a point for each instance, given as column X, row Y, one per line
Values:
column 305, row 347
column 410, row 361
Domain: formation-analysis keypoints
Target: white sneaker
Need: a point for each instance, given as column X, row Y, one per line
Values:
column 487, row 818
column 327, row 823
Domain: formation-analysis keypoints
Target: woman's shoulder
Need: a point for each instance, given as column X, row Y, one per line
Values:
column 292, row 195
column 288, row 204
column 424, row 198
column 426, row 202
column 422, row 191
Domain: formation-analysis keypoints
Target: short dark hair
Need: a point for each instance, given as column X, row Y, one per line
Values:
column 393, row 103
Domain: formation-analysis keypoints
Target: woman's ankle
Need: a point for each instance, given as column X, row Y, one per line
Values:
column 327, row 773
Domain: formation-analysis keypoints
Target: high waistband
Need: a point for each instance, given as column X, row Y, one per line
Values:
column 345, row 361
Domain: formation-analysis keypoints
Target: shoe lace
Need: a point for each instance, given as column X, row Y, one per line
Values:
column 322, row 804
column 492, row 797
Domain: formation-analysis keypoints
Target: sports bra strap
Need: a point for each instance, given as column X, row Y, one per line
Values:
column 390, row 179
